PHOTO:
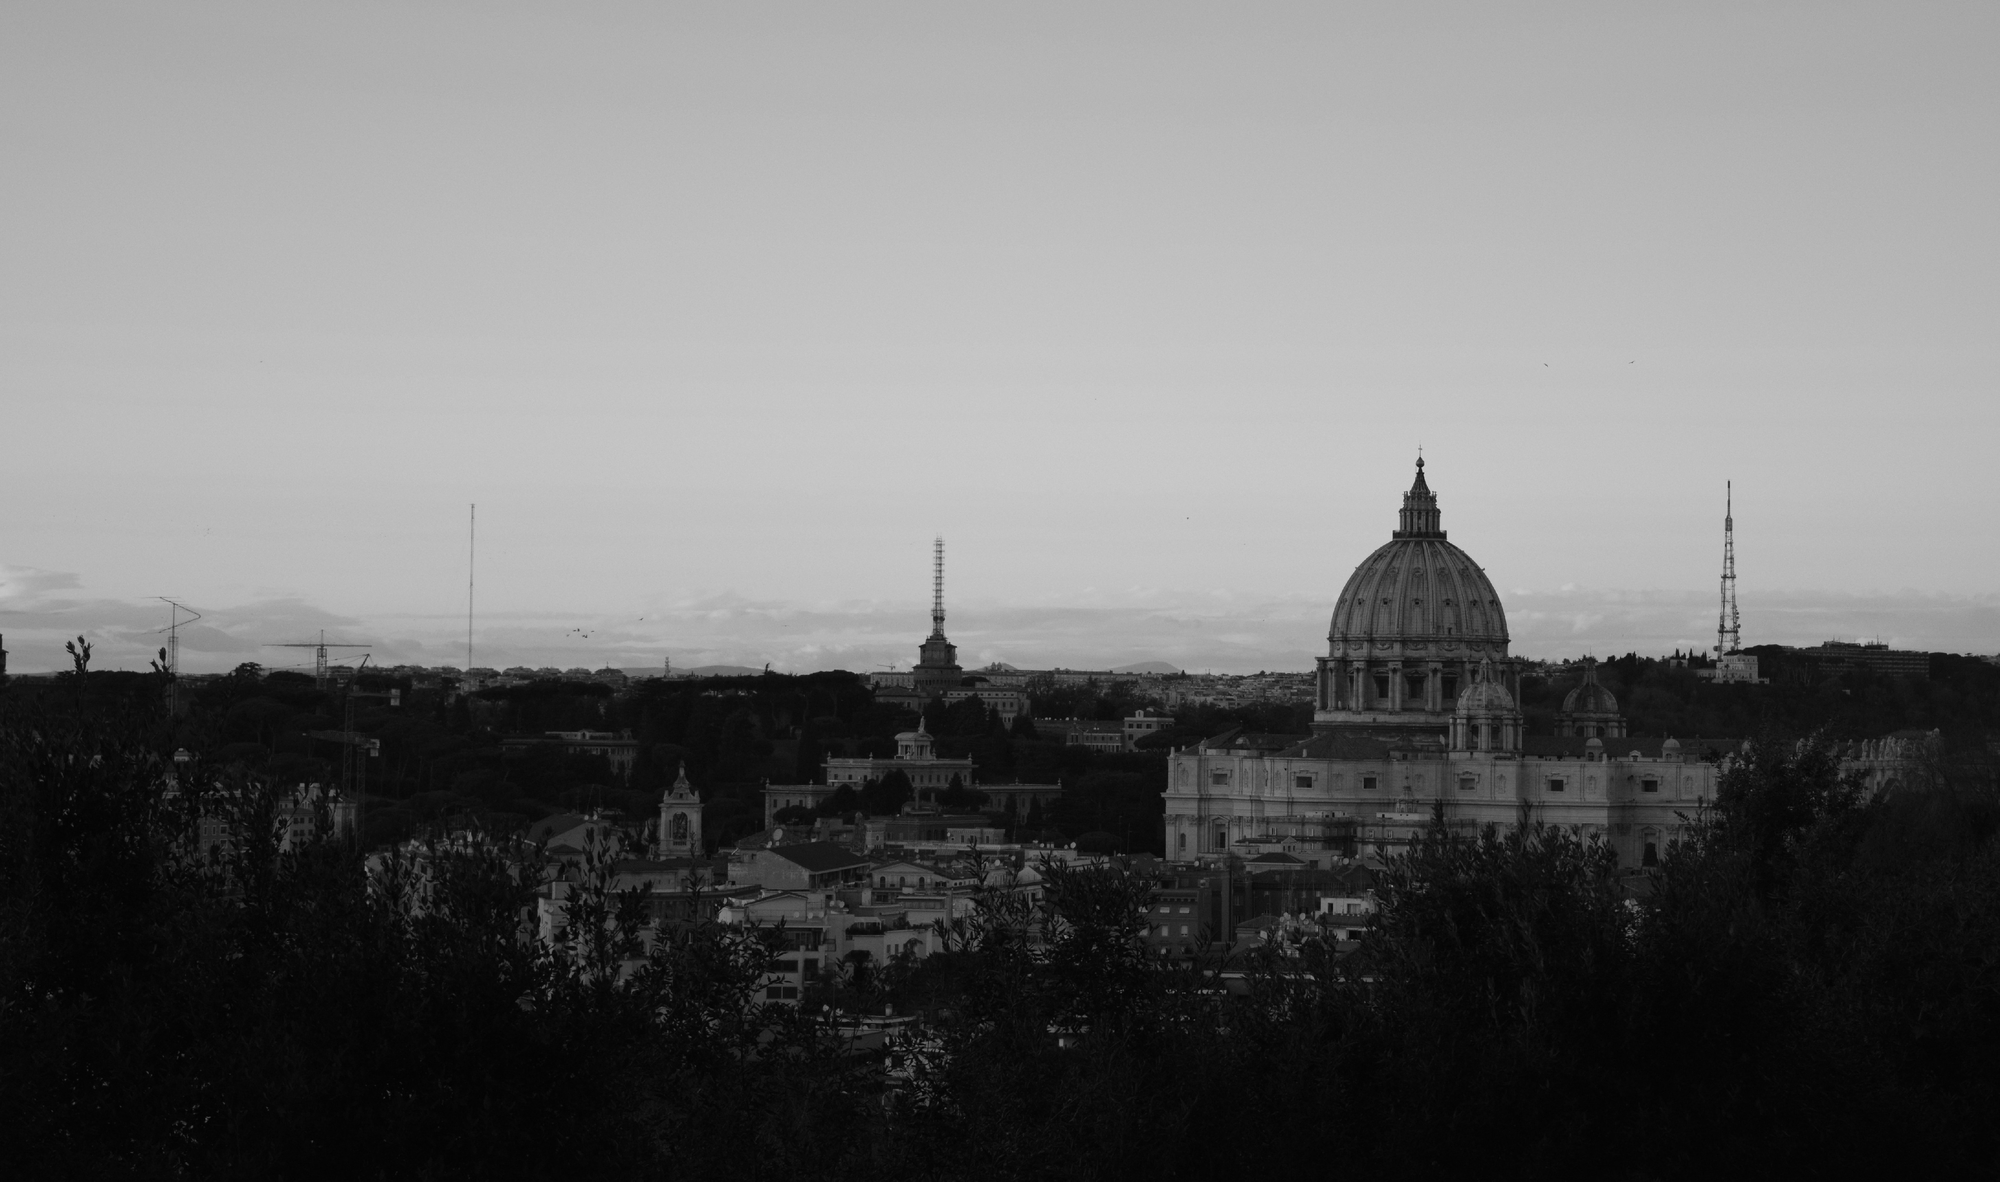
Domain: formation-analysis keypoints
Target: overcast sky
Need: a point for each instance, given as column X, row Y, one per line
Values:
column 721, row 312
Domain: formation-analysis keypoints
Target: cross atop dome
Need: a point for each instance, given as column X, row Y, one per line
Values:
column 1419, row 518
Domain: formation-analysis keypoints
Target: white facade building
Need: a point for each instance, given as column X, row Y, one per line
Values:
column 1416, row 712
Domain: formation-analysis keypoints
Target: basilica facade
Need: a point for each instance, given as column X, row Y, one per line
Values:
column 1417, row 708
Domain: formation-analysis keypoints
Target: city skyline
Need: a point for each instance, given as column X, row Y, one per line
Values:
column 1224, row 633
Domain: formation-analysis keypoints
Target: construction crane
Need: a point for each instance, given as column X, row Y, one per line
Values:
column 319, row 648
column 355, row 751
column 173, row 631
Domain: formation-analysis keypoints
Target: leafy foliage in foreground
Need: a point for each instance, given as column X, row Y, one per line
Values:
column 1811, row 983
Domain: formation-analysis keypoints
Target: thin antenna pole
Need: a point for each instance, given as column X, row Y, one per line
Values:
column 471, row 572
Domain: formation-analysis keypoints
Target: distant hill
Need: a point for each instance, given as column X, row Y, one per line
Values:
column 1148, row 667
column 699, row 671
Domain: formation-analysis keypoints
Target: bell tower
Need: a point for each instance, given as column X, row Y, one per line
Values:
column 680, row 820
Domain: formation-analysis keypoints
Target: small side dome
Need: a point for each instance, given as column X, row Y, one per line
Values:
column 1486, row 697
column 1590, row 698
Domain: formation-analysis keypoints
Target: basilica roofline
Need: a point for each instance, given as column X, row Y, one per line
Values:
column 1361, row 745
column 1413, row 720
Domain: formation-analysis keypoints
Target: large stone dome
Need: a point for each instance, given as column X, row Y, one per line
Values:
column 1411, row 629
column 1418, row 593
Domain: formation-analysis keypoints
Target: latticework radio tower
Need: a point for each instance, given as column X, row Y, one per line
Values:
column 1728, row 626
column 937, row 587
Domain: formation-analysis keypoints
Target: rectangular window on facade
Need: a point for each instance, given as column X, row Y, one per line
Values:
column 1649, row 785
column 1185, row 910
column 1555, row 784
column 1219, row 779
column 1467, row 783
column 1302, row 781
column 1184, row 930
column 1382, row 687
column 1369, row 783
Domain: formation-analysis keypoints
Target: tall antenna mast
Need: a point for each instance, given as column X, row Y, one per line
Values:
column 1728, row 625
column 937, row 587
column 471, row 570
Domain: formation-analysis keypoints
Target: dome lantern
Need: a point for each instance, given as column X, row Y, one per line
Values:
column 1419, row 518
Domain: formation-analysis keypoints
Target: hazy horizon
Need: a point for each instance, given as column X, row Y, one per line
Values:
column 721, row 312
column 1219, row 632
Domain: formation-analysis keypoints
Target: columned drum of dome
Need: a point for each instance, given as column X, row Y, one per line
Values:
column 1410, row 629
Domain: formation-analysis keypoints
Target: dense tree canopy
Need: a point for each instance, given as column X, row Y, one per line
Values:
column 1806, row 985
